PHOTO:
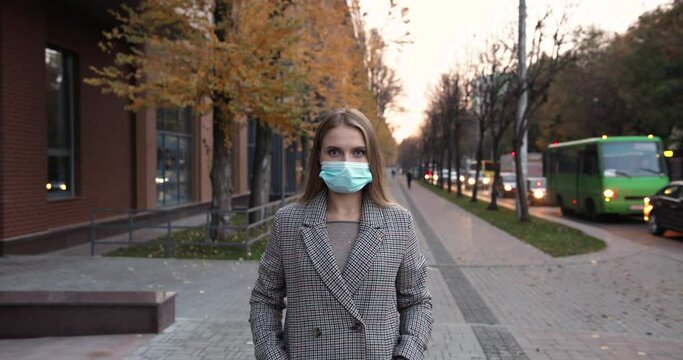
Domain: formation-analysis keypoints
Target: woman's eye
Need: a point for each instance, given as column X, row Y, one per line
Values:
column 333, row 152
column 359, row 153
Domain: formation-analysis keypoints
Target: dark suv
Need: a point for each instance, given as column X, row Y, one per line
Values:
column 664, row 210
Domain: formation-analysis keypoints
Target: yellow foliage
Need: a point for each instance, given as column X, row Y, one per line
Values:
column 178, row 53
column 271, row 60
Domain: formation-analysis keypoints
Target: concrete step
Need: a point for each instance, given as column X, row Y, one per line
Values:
column 26, row 314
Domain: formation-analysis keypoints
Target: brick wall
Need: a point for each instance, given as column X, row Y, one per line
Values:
column 103, row 130
column 2, row 132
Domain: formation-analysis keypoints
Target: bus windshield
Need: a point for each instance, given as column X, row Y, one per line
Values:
column 508, row 178
column 630, row 159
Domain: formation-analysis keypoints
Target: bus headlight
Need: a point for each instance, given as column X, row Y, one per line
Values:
column 507, row 187
column 486, row 181
column 539, row 194
column 470, row 181
column 462, row 178
column 609, row 194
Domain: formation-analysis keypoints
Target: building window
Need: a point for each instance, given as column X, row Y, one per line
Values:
column 60, row 121
column 174, row 139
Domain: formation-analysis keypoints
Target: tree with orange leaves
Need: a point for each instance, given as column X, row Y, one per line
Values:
column 227, row 58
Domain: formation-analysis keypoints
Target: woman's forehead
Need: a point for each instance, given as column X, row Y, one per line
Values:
column 343, row 136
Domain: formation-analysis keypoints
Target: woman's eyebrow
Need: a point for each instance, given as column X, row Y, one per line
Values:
column 335, row 147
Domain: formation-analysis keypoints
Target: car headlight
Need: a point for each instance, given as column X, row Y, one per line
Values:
column 507, row 187
column 436, row 177
column 647, row 208
column 486, row 181
column 539, row 194
column 426, row 177
column 470, row 181
column 462, row 178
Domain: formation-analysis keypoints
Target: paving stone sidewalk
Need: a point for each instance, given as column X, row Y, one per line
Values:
column 494, row 298
column 618, row 304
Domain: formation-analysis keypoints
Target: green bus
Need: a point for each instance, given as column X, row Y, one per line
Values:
column 605, row 175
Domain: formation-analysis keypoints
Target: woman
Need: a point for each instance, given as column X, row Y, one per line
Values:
column 345, row 257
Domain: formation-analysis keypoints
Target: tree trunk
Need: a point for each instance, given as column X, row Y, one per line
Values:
column 458, row 164
column 304, row 160
column 221, row 178
column 261, row 176
column 440, row 173
column 480, row 151
column 493, row 205
column 450, row 154
column 523, row 210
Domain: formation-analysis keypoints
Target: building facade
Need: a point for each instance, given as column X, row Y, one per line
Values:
column 66, row 149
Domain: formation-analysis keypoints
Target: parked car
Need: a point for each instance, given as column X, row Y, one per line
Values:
column 664, row 210
column 454, row 176
column 507, row 186
column 536, row 189
column 483, row 182
column 431, row 176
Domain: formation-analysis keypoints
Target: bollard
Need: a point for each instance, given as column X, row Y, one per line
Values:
column 92, row 233
column 169, row 239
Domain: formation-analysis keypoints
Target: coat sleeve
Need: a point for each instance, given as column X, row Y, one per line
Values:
column 267, row 301
column 414, row 302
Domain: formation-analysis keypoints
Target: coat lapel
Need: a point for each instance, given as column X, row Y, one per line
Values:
column 369, row 240
column 315, row 236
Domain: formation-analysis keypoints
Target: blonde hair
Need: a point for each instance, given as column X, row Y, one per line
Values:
column 353, row 118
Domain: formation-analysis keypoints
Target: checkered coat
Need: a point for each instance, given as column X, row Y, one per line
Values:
column 378, row 308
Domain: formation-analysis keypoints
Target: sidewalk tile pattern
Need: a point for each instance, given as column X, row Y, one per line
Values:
column 623, row 304
column 496, row 342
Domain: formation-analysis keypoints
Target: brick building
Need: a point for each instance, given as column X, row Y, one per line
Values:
column 66, row 150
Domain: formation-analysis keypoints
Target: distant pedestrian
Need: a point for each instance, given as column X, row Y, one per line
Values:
column 393, row 172
column 409, row 178
column 346, row 259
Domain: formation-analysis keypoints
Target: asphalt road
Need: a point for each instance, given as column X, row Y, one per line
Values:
column 629, row 227
column 632, row 228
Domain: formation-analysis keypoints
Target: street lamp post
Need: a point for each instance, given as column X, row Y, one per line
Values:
column 521, row 132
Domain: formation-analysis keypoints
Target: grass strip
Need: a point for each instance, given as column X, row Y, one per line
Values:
column 156, row 248
column 555, row 239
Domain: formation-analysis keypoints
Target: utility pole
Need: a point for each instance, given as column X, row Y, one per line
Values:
column 522, row 104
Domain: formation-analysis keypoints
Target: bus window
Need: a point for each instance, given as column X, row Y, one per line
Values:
column 590, row 160
column 630, row 159
column 566, row 159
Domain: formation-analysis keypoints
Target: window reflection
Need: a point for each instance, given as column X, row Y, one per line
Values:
column 629, row 159
column 174, row 138
column 59, row 76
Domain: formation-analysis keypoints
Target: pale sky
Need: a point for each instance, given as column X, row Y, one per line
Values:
column 447, row 34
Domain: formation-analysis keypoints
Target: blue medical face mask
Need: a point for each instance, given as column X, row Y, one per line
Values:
column 345, row 176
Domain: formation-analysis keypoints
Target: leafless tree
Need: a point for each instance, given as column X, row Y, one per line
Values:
column 452, row 99
column 543, row 67
column 496, row 89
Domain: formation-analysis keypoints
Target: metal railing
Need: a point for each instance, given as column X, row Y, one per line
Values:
column 241, row 227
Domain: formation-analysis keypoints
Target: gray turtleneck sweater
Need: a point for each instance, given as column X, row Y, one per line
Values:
column 342, row 235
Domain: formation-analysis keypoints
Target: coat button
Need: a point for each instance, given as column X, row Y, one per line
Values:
column 357, row 327
column 317, row 332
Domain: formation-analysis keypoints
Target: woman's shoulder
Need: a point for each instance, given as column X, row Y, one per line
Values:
column 397, row 216
column 294, row 210
column 396, row 209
